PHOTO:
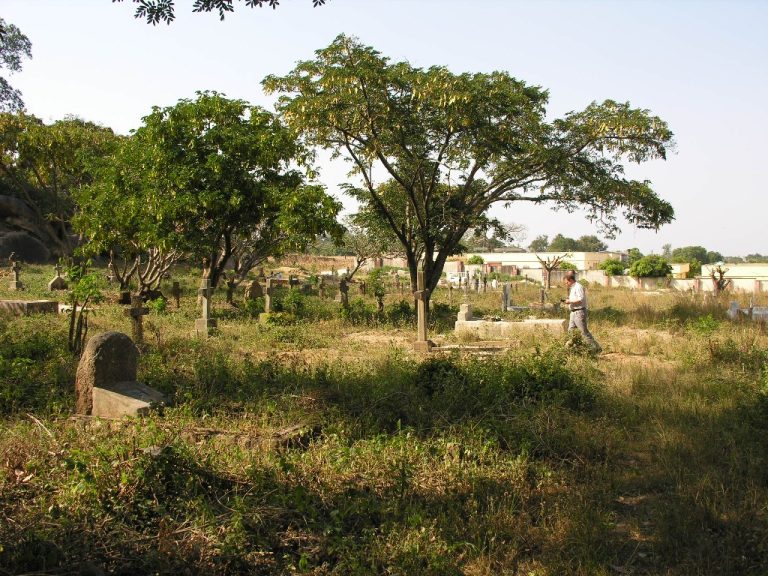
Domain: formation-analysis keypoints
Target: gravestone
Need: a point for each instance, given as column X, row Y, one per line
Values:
column 504, row 297
column 205, row 325
column 465, row 313
column 344, row 293
column 268, row 297
column 106, row 379
column 135, row 313
column 16, row 283
column 253, row 290
column 422, row 344
column 176, row 293
column 26, row 307
column 58, row 283
column 125, row 297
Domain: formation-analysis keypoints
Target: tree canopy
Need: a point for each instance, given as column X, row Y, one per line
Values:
column 41, row 168
column 586, row 243
column 209, row 177
column 451, row 145
column 156, row 11
column 13, row 47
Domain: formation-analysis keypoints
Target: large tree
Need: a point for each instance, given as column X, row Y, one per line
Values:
column 156, row 11
column 13, row 47
column 455, row 144
column 210, row 177
column 41, row 168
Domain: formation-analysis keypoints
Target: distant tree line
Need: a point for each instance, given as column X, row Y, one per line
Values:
column 560, row 243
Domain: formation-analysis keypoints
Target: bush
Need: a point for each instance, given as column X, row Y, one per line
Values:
column 651, row 266
column 613, row 267
column 475, row 259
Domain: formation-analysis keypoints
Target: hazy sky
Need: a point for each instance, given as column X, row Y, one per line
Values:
column 701, row 66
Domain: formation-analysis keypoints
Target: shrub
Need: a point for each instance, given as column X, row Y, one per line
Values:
column 475, row 259
column 613, row 267
column 651, row 266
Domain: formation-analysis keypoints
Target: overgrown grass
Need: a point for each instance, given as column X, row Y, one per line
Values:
column 292, row 448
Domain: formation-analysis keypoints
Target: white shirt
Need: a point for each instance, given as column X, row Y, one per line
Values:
column 576, row 294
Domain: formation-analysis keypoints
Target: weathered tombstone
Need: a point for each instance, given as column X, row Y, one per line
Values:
column 344, row 293
column 485, row 283
column 268, row 297
column 465, row 312
column 495, row 284
column 106, row 379
column 205, row 324
column 504, row 297
column 125, row 297
column 176, row 293
column 135, row 312
column 58, row 283
column 477, row 284
column 16, row 283
column 253, row 290
column 422, row 344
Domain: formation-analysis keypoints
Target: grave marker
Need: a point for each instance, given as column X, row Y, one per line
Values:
column 422, row 344
column 268, row 297
column 58, row 283
column 135, row 312
column 106, row 379
column 205, row 324
column 16, row 283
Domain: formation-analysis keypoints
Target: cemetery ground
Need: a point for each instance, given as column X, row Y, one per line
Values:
column 320, row 443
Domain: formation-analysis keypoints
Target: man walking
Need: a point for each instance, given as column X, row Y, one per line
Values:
column 577, row 304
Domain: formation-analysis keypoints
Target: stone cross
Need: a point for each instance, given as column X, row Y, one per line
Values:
column 422, row 344
column 268, row 297
column 58, row 283
column 205, row 324
column 135, row 312
column 344, row 292
column 16, row 284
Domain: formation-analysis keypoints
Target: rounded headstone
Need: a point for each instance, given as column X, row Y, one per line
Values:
column 109, row 358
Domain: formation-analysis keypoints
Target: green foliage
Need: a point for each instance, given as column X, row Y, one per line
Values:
column 475, row 259
column 208, row 177
column 487, row 131
column 651, row 266
column 13, row 47
column 567, row 266
column 539, row 244
column 633, row 255
column 36, row 371
column 158, row 305
column 156, row 11
column 43, row 166
column 613, row 267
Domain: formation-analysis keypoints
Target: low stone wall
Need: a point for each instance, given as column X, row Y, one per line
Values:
column 26, row 307
column 490, row 330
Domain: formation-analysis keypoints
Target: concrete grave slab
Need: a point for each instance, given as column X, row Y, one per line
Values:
column 26, row 307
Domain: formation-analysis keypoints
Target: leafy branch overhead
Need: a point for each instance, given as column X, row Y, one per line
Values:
column 156, row 11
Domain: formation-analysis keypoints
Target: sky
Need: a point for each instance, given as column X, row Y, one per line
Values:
column 702, row 66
